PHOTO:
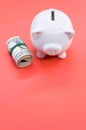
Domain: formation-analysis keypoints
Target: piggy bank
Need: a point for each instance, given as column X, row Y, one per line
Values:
column 51, row 33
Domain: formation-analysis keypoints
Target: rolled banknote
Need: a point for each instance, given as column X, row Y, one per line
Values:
column 19, row 51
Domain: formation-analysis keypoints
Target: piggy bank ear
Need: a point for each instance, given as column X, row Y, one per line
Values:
column 69, row 34
column 36, row 33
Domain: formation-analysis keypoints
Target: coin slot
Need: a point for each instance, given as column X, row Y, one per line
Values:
column 52, row 15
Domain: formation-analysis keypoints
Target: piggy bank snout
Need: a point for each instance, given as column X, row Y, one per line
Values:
column 52, row 49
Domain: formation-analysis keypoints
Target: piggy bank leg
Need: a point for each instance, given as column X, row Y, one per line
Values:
column 40, row 54
column 62, row 55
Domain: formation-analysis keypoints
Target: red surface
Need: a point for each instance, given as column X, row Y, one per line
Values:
column 51, row 93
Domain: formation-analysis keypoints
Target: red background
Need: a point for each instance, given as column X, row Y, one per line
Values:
column 51, row 93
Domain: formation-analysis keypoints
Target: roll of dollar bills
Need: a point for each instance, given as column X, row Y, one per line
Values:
column 19, row 51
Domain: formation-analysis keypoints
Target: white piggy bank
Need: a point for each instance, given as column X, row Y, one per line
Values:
column 51, row 33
